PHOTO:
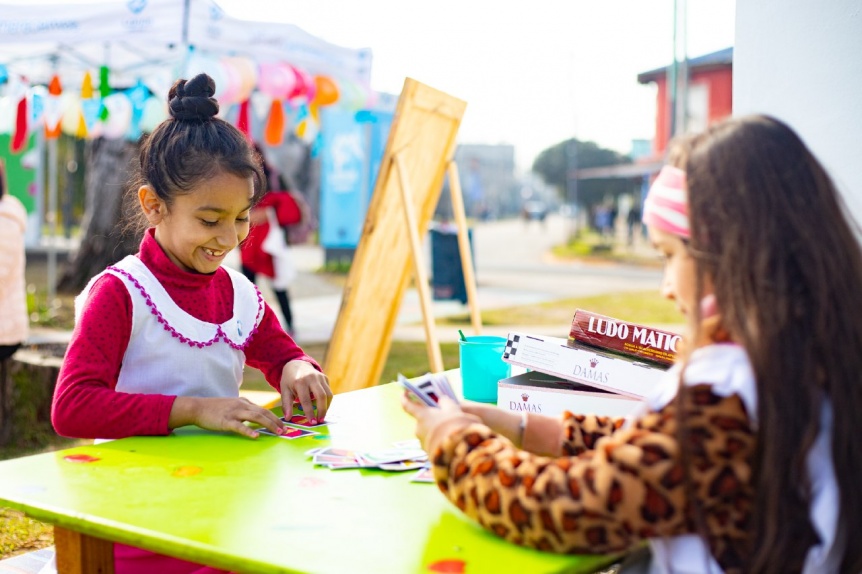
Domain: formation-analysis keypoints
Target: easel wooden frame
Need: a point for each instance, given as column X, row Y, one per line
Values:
column 419, row 150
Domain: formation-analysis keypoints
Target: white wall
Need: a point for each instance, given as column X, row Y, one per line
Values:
column 801, row 61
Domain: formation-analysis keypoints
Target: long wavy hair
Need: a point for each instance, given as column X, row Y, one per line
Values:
column 770, row 231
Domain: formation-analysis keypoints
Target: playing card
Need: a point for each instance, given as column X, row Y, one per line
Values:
column 327, row 459
column 401, row 466
column 424, row 475
column 428, row 386
column 444, row 385
column 418, row 393
column 301, row 420
column 341, row 465
column 335, row 451
column 289, row 432
column 394, row 455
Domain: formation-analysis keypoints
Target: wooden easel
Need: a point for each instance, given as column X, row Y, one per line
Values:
column 419, row 151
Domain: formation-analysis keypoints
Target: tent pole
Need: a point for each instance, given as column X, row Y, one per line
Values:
column 187, row 7
column 52, row 221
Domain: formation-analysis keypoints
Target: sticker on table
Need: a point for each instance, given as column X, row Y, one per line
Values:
column 452, row 566
column 187, row 471
column 80, row 458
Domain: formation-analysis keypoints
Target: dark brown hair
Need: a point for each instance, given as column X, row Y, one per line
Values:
column 194, row 145
column 770, row 231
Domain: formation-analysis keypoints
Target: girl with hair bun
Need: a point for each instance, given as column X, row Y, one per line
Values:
column 747, row 458
column 144, row 322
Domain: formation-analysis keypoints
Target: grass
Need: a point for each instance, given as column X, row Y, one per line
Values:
column 644, row 307
column 406, row 357
column 19, row 534
column 589, row 245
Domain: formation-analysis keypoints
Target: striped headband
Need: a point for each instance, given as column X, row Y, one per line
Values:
column 666, row 205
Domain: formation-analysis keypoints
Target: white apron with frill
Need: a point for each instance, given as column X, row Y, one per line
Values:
column 172, row 353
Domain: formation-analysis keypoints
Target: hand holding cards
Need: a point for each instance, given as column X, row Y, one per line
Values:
column 428, row 388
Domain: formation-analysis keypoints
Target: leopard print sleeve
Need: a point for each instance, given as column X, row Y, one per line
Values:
column 580, row 432
column 628, row 486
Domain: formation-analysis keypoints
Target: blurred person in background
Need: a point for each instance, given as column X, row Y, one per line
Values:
column 270, row 256
column 13, row 299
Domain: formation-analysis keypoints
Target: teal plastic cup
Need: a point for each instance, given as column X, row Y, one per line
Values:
column 482, row 366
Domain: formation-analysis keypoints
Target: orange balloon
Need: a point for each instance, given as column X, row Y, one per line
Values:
column 54, row 88
column 274, row 133
column 327, row 91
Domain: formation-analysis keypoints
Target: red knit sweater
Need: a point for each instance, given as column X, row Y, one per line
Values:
column 86, row 404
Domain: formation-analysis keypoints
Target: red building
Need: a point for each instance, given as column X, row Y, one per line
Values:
column 709, row 95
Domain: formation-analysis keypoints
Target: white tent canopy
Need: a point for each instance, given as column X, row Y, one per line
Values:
column 137, row 37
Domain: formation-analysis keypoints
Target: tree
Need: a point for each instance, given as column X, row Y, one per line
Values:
column 552, row 165
column 105, row 236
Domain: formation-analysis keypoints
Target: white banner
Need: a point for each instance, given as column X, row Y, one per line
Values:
column 152, row 31
column 156, row 21
column 211, row 30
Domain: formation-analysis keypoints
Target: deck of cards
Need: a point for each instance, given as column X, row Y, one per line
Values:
column 405, row 455
column 428, row 388
column 297, row 426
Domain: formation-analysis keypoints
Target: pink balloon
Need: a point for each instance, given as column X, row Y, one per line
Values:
column 276, row 79
column 304, row 88
column 230, row 94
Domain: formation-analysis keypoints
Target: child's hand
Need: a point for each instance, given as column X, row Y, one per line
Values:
column 222, row 414
column 300, row 379
column 433, row 424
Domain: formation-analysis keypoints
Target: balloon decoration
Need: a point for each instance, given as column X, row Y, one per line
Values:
column 155, row 111
column 266, row 100
column 242, row 122
column 20, row 135
column 119, row 108
column 246, row 72
column 53, row 109
column 104, row 90
column 90, row 106
column 326, row 91
column 273, row 134
column 37, row 94
column 277, row 80
column 20, row 130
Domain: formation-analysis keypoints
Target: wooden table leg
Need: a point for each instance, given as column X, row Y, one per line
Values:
column 82, row 554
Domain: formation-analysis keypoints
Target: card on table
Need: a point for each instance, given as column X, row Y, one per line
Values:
column 424, row 475
column 289, row 432
column 395, row 455
column 302, row 420
column 402, row 465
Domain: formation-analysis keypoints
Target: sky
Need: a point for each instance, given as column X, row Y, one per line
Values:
column 533, row 72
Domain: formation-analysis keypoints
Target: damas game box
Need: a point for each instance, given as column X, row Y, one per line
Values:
column 536, row 392
column 585, row 365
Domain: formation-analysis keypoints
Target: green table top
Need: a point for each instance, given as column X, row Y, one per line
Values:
column 261, row 506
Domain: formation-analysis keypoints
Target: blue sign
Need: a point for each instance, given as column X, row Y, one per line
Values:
column 351, row 149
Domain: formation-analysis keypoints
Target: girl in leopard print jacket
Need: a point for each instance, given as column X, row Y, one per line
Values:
column 746, row 459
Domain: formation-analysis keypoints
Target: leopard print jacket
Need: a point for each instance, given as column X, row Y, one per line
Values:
column 616, row 486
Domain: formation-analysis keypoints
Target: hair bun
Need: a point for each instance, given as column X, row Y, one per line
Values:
column 192, row 100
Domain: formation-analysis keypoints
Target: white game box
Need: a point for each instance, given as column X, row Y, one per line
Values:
column 536, row 392
column 585, row 365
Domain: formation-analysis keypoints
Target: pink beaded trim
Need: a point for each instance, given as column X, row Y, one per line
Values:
column 220, row 334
